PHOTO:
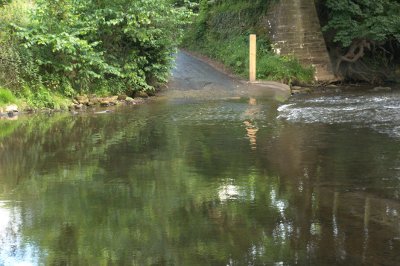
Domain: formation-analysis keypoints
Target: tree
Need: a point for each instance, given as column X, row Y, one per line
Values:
column 364, row 27
column 126, row 45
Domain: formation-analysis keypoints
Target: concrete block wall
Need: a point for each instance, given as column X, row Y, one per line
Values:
column 295, row 29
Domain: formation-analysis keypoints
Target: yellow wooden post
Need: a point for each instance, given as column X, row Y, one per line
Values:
column 252, row 59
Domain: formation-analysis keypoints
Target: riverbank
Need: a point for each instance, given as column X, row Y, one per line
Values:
column 81, row 103
column 96, row 104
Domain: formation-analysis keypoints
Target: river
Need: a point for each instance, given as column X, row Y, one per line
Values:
column 211, row 172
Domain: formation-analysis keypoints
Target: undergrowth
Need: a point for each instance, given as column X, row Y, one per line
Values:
column 6, row 96
column 42, row 97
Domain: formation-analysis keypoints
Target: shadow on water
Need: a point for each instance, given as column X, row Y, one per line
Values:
column 210, row 180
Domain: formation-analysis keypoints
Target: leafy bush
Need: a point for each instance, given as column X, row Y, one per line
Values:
column 283, row 68
column 14, row 63
column 78, row 46
column 129, row 42
column 372, row 20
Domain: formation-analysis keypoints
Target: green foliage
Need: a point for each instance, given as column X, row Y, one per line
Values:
column 4, row 2
column 76, row 46
column 87, row 41
column 14, row 63
column 365, row 35
column 374, row 20
column 6, row 96
column 283, row 68
column 201, row 23
column 42, row 97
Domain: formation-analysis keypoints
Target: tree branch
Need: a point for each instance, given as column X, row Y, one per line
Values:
column 355, row 52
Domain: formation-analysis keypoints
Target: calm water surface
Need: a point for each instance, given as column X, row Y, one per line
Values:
column 232, row 180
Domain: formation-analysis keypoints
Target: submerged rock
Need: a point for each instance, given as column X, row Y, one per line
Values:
column 103, row 112
column 104, row 103
column 299, row 90
column 382, row 89
column 78, row 106
column 12, row 116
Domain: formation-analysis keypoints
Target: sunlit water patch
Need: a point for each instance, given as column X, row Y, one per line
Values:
column 13, row 250
column 379, row 112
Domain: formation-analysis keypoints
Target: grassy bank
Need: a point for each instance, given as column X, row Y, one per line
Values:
column 221, row 31
column 27, row 98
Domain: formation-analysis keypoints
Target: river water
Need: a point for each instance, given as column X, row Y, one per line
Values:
column 212, row 172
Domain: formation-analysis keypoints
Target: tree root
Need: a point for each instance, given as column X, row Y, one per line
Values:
column 354, row 65
column 355, row 52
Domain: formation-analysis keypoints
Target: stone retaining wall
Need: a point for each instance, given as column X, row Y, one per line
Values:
column 295, row 29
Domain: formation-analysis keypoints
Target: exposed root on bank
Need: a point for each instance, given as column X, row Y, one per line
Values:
column 360, row 63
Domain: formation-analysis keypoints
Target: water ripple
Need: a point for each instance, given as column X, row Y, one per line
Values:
column 381, row 113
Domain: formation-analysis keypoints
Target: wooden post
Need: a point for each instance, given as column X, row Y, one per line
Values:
column 252, row 59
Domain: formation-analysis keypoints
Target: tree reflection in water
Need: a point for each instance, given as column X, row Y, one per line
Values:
column 145, row 189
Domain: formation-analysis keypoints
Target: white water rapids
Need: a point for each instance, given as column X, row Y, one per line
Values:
column 379, row 112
